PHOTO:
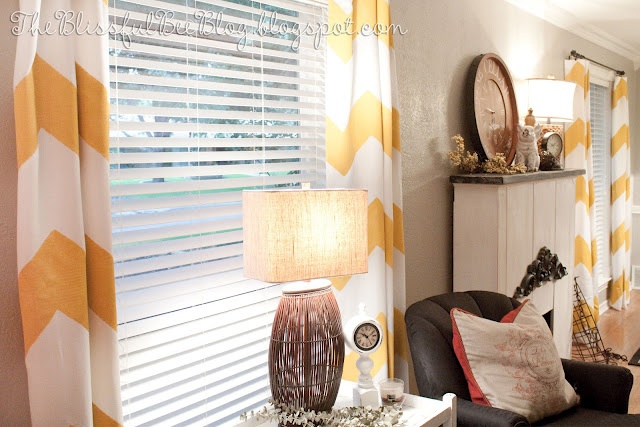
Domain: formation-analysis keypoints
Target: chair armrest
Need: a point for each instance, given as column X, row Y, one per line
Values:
column 601, row 387
column 473, row 414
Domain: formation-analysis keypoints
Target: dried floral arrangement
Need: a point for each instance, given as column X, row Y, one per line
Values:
column 385, row 416
column 469, row 163
column 464, row 161
column 498, row 164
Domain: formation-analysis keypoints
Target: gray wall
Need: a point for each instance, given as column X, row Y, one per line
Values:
column 432, row 61
column 14, row 400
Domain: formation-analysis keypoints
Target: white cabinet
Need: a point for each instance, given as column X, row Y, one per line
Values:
column 500, row 222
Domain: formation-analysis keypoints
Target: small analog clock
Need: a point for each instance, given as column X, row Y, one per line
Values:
column 363, row 333
column 552, row 142
column 366, row 336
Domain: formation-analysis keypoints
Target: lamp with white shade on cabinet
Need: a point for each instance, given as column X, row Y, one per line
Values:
column 552, row 100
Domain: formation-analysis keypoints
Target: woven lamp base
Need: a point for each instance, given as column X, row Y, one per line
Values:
column 306, row 353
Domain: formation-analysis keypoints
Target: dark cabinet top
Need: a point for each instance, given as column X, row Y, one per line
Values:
column 498, row 179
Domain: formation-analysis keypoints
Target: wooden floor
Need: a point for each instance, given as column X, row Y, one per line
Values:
column 620, row 330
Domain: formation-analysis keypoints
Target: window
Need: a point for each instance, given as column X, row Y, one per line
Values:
column 196, row 117
column 600, row 100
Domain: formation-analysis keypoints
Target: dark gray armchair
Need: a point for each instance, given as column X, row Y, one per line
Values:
column 603, row 389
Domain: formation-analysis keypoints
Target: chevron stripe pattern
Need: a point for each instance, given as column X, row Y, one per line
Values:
column 620, row 292
column 66, row 279
column 363, row 151
column 578, row 155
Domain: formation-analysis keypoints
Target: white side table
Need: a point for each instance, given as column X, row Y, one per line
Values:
column 417, row 411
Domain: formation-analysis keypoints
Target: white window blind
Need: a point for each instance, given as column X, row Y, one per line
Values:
column 600, row 100
column 195, row 119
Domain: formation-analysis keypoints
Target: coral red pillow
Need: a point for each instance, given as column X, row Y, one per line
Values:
column 512, row 364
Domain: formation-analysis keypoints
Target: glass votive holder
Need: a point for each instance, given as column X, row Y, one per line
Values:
column 392, row 391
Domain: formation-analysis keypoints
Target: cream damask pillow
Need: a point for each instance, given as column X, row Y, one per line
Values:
column 512, row 364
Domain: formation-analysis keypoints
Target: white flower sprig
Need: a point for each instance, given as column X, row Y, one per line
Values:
column 384, row 416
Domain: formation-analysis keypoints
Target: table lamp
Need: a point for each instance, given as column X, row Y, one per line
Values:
column 551, row 99
column 294, row 236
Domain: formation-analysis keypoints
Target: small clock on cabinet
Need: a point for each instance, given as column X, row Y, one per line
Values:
column 552, row 144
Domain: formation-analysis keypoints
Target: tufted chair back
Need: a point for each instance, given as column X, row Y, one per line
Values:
column 430, row 337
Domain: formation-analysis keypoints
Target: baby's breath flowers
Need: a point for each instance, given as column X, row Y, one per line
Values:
column 384, row 416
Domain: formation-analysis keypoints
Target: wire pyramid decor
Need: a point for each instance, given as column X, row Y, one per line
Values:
column 587, row 343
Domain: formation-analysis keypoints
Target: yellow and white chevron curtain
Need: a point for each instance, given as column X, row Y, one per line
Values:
column 578, row 155
column 620, row 291
column 66, row 279
column 363, row 151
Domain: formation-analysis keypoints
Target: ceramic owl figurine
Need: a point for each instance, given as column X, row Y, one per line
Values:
column 527, row 149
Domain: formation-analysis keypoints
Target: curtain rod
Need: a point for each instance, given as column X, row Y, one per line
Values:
column 579, row 56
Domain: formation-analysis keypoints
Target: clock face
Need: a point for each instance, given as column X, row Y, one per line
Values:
column 494, row 108
column 554, row 144
column 366, row 336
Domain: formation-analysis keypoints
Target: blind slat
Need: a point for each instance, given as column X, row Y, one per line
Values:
column 218, row 114
column 311, row 104
column 177, row 259
column 139, row 250
column 184, row 200
column 157, row 278
column 201, row 70
column 209, row 143
column 239, row 129
column 180, row 82
column 164, row 53
column 200, row 185
column 207, row 171
column 141, row 234
column 209, row 156
column 171, row 217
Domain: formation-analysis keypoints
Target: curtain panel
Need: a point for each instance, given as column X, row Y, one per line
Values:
column 621, row 199
column 363, row 151
column 578, row 155
column 65, row 279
